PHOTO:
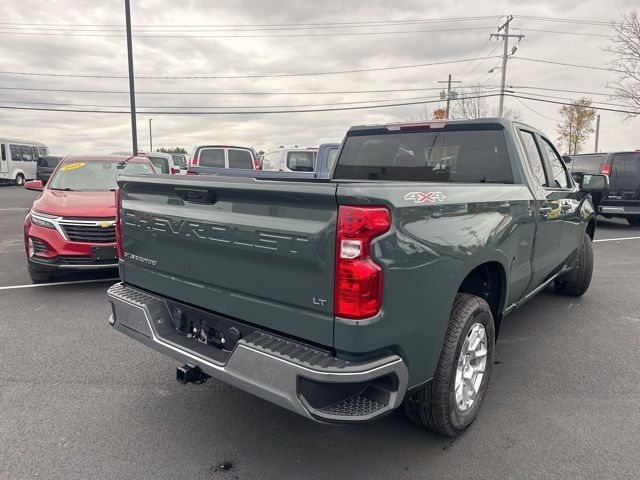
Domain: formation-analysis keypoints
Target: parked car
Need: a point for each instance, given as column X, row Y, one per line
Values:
column 342, row 300
column 45, row 167
column 180, row 160
column 327, row 154
column 164, row 162
column 290, row 160
column 18, row 159
column 71, row 225
column 622, row 197
column 209, row 159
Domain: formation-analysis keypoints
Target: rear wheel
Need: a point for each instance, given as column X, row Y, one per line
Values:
column 19, row 181
column 577, row 282
column 39, row 276
column 450, row 402
column 633, row 221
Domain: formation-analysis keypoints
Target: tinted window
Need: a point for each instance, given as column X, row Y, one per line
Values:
column 469, row 156
column 211, row 157
column 15, row 153
column 533, row 154
column 26, row 154
column 240, row 159
column 34, row 153
column 626, row 165
column 300, row 161
column 43, row 151
column 559, row 172
column 586, row 163
column 4, row 152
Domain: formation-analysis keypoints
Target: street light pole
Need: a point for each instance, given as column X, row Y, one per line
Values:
column 150, row 137
column 132, row 89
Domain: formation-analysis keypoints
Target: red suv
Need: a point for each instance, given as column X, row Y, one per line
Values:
column 71, row 226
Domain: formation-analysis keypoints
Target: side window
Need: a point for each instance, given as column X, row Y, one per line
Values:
column 333, row 154
column 16, row 156
column 43, row 152
column 4, row 152
column 535, row 159
column 26, row 154
column 34, row 153
column 558, row 170
column 240, row 159
column 211, row 157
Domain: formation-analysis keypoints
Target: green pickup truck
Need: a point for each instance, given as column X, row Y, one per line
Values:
column 342, row 299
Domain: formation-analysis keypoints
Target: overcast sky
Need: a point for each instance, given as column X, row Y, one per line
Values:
column 76, row 133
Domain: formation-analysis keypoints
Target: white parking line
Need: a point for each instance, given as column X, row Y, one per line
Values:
column 53, row 284
column 24, row 209
column 616, row 239
column 11, row 251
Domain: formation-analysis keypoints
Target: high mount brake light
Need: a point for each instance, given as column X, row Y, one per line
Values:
column 414, row 126
column 118, row 226
column 358, row 279
column 606, row 169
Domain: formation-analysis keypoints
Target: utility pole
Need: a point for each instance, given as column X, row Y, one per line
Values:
column 597, row 132
column 505, row 55
column 132, row 88
column 448, row 94
column 150, row 137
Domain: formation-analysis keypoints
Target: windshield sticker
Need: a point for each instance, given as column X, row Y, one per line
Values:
column 422, row 197
column 72, row 166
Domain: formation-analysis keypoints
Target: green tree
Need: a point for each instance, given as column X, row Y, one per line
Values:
column 172, row 150
column 576, row 126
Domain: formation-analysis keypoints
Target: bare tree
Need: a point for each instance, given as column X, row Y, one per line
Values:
column 474, row 104
column 576, row 126
column 625, row 49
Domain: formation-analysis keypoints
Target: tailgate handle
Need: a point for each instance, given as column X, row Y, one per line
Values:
column 196, row 195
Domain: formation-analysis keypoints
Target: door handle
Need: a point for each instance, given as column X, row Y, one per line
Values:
column 545, row 210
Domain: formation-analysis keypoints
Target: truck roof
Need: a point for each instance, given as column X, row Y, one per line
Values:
column 504, row 122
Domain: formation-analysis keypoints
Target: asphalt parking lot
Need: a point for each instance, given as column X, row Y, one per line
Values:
column 79, row 400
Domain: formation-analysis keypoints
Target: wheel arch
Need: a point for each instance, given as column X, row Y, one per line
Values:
column 591, row 227
column 488, row 280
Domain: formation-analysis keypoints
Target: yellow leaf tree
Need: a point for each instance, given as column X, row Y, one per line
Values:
column 576, row 126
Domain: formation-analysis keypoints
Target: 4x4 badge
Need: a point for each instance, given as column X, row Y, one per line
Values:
column 421, row 197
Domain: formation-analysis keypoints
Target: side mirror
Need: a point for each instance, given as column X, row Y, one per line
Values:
column 567, row 159
column 593, row 183
column 34, row 185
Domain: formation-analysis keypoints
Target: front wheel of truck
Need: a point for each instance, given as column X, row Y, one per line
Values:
column 450, row 402
column 577, row 281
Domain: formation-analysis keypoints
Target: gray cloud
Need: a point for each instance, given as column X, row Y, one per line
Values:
column 86, row 132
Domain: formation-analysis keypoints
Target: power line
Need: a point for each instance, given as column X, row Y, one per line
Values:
column 343, row 92
column 368, row 23
column 270, row 75
column 334, row 34
column 265, row 112
column 566, row 33
column 560, row 90
column 534, row 111
column 573, row 100
column 590, row 67
column 66, row 104
column 617, row 110
column 565, row 20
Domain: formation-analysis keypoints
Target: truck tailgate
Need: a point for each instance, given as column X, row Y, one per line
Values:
column 259, row 251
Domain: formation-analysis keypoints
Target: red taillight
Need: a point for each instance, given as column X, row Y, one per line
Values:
column 256, row 165
column 191, row 173
column 175, row 171
column 606, row 169
column 194, row 160
column 118, row 226
column 358, row 279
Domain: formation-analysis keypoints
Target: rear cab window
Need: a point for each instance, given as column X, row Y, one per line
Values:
column 626, row 165
column 455, row 153
column 161, row 164
column 300, row 161
column 586, row 163
column 558, row 170
column 211, row 157
column 240, row 158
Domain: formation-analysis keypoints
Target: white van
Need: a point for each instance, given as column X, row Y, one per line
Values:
column 290, row 159
column 18, row 159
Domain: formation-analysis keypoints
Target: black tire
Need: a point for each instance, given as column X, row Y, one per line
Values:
column 633, row 221
column 19, row 181
column 577, row 282
column 434, row 405
column 39, row 276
